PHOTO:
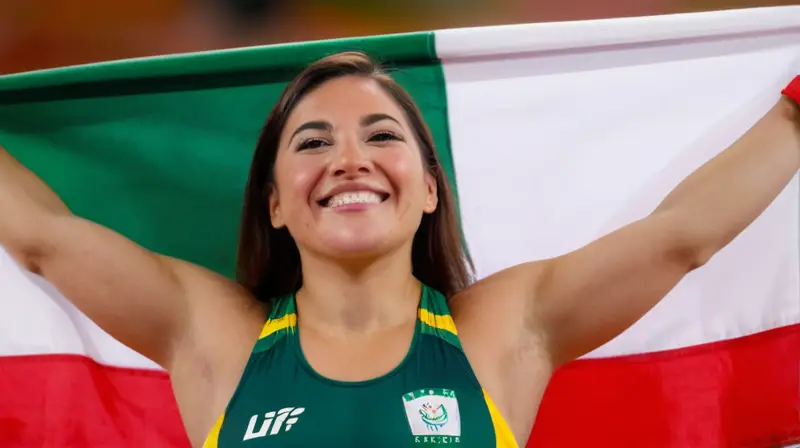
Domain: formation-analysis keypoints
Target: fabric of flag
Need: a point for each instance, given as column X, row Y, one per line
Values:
column 553, row 135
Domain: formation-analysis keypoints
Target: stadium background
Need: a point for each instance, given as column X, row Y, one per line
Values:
column 37, row 34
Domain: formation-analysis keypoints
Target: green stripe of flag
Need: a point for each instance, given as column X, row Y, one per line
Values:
column 262, row 61
column 158, row 149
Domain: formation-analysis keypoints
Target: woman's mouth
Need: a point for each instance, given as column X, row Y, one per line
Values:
column 353, row 197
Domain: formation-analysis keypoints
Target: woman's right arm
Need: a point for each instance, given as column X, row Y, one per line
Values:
column 138, row 297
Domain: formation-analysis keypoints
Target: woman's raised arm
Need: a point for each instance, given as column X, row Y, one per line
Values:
column 141, row 298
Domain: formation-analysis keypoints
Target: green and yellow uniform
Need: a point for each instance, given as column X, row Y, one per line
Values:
column 431, row 398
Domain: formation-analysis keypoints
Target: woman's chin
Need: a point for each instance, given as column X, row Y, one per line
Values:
column 355, row 250
column 357, row 247
column 350, row 243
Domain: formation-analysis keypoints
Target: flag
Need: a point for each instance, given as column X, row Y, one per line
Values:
column 552, row 135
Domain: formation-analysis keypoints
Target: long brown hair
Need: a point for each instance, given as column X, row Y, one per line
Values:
column 268, row 261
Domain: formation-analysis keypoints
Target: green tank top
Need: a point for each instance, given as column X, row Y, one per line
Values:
column 431, row 398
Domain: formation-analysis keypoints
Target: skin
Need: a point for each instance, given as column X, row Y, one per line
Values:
column 358, row 302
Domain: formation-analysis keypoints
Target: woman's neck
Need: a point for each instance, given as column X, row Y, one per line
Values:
column 375, row 297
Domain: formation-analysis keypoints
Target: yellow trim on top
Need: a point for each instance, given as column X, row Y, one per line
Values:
column 212, row 441
column 438, row 321
column 287, row 321
column 502, row 432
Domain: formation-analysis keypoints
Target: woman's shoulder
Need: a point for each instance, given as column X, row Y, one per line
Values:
column 494, row 315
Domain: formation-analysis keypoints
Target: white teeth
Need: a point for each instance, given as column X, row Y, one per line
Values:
column 355, row 197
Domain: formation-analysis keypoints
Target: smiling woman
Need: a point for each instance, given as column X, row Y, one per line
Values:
column 353, row 194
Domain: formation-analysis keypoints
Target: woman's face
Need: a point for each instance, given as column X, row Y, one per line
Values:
column 349, row 177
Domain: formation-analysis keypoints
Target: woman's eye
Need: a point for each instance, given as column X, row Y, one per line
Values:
column 383, row 137
column 312, row 143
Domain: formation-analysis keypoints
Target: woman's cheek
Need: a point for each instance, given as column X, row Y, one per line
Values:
column 398, row 163
column 303, row 179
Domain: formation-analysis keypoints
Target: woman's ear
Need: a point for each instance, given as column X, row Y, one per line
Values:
column 432, row 197
column 275, row 216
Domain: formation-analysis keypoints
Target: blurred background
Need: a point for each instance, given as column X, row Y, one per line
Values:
column 36, row 34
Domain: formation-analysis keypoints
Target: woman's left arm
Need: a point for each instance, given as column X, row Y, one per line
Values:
column 585, row 298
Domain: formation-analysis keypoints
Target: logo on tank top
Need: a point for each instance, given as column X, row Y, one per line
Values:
column 433, row 416
column 272, row 422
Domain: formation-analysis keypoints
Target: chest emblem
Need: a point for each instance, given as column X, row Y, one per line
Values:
column 433, row 415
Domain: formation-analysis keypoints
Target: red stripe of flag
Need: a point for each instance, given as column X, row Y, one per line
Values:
column 742, row 392
column 738, row 393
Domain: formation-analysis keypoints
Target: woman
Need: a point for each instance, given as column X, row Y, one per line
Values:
column 348, row 249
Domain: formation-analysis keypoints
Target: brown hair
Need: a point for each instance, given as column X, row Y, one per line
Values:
column 268, row 261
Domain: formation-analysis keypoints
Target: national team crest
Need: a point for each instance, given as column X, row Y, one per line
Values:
column 433, row 415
